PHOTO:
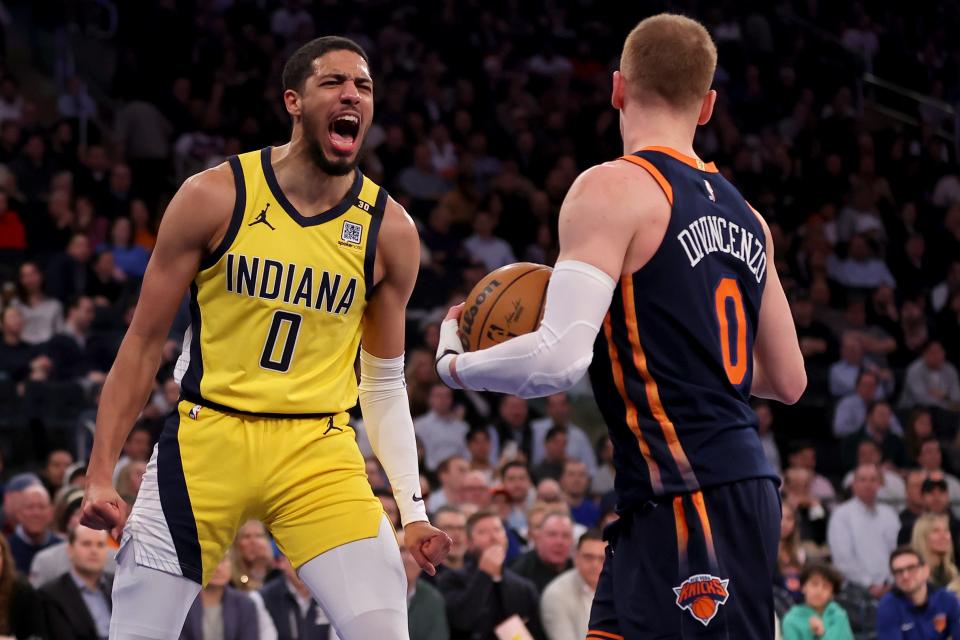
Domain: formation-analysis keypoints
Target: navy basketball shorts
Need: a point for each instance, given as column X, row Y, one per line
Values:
column 695, row 565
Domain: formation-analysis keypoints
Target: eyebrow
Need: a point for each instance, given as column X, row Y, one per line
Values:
column 345, row 76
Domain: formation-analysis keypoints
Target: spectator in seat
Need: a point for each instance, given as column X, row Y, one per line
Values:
column 42, row 315
column 128, row 256
column 861, row 532
column 479, row 446
column 553, row 541
column 21, row 612
column 845, row 372
column 12, row 496
column 426, row 610
column 914, row 499
column 485, row 593
column 935, row 499
column 71, row 349
column 52, row 474
column 765, row 431
column 919, row 430
column 441, row 429
column 931, row 381
column 450, row 472
column 810, row 513
column 516, row 483
column 17, row 358
column 819, row 617
column 803, row 455
column 513, row 426
column 931, row 539
column 861, row 269
column 791, row 555
column 106, row 284
column 892, row 489
column 67, row 272
column 851, row 411
column 485, row 247
column 555, row 455
column 137, row 448
column 559, row 414
column 930, row 460
column 475, row 490
column 238, row 614
column 34, row 533
column 916, row 610
column 453, row 522
column 251, row 559
column 294, row 613
column 77, row 605
column 565, row 604
column 575, row 484
column 877, row 429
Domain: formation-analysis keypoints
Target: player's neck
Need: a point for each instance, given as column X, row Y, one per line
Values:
column 656, row 128
column 303, row 182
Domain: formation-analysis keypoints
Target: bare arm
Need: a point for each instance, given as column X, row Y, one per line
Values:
column 195, row 217
column 778, row 368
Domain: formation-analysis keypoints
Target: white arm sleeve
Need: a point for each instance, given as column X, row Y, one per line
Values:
column 386, row 417
column 552, row 358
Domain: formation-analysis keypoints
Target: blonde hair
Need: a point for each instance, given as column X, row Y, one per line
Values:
column 918, row 540
column 671, row 57
column 244, row 575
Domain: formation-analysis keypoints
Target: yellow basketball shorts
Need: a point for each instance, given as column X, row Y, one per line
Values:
column 212, row 471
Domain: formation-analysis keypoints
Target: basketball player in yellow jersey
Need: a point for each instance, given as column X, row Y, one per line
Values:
column 294, row 260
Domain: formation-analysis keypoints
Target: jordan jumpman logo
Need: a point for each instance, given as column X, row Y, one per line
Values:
column 262, row 217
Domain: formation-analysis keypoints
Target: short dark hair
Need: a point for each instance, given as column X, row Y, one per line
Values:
column 444, row 465
column 554, row 430
column 447, row 508
column 511, row 465
column 905, row 550
column 299, row 66
column 588, row 535
column 477, row 431
column 477, row 516
column 825, row 571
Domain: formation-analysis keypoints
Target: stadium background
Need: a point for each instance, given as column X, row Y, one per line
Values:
column 837, row 120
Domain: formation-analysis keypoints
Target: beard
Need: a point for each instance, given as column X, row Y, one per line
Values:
column 336, row 167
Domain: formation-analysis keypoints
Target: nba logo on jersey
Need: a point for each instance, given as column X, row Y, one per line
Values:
column 195, row 411
column 710, row 193
column 702, row 596
column 351, row 232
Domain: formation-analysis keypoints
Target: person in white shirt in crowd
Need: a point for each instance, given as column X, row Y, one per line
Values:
column 940, row 294
column 931, row 381
column 558, row 414
column 893, row 490
column 565, row 604
column 845, row 371
column 485, row 247
column 765, row 429
column 450, row 472
column 862, row 533
column 42, row 315
column 851, row 411
column 442, row 430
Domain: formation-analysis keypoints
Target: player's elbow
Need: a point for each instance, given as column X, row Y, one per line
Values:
column 792, row 387
column 555, row 377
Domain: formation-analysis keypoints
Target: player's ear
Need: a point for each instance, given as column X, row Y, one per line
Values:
column 291, row 100
column 616, row 96
column 706, row 108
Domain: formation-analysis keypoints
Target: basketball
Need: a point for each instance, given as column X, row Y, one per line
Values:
column 506, row 303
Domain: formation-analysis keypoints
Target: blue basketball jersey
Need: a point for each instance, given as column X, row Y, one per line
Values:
column 673, row 365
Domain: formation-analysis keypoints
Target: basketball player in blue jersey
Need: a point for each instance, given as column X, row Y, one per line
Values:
column 681, row 317
column 294, row 261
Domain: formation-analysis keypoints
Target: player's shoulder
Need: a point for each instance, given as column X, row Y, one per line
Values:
column 614, row 181
column 397, row 225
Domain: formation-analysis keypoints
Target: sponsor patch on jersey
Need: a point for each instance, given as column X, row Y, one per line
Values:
column 351, row 232
column 702, row 596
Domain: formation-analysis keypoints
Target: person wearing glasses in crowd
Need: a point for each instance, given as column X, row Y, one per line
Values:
column 915, row 609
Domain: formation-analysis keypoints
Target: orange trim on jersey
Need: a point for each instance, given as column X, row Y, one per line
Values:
column 650, row 385
column 632, row 420
column 701, row 507
column 654, row 173
column 603, row 634
column 683, row 534
column 696, row 163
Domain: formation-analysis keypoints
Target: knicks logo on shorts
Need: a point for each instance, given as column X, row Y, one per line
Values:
column 702, row 596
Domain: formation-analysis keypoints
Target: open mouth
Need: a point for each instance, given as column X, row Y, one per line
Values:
column 343, row 132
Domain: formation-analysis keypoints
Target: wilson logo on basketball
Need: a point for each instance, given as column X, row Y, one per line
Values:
column 702, row 596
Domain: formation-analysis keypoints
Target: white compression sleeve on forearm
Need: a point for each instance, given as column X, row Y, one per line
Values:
column 386, row 417
column 556, row 355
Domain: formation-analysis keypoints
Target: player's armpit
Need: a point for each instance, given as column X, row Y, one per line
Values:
column 779, row 372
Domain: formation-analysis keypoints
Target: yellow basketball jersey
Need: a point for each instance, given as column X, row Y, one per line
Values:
column 276, row 309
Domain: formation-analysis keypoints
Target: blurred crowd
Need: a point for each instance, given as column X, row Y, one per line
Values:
column 485, row 114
